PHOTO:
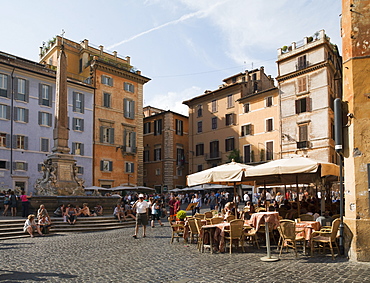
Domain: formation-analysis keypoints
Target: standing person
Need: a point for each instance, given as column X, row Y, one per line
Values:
column 6, row 203
column 212, row 201
column 13, row 203
column 141, row 208
column 197, row 199
column 25, row 203
column 246, row 198
column 156, row 210
column 177, row 205
column 171, row 204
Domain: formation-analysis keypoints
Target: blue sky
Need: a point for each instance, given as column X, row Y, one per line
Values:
column 184, row 46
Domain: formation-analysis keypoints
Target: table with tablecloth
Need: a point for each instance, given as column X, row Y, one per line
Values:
column 215, row 235
column 307, row 227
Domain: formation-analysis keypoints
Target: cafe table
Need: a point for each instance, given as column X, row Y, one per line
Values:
column 307, row 227
column 267, row 218
column 216, row 236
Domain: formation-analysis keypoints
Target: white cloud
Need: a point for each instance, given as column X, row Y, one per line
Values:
column 173, row 100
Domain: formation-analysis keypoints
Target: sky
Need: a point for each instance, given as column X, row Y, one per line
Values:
column 184, row 46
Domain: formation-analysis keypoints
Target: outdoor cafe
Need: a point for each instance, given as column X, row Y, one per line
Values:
column 231, row 230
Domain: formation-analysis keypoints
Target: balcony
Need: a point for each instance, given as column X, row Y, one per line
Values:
column 303, row 144
column 128, row 149
column 212, row 155
column 302, row 65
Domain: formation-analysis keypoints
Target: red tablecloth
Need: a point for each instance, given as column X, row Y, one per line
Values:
column 262, row 217
column 216, row 231
column 308, row 227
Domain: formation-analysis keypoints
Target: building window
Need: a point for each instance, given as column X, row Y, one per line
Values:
column 214, row 106
column 78, row 124
column 158, row 127
column 269, row 125
column 268, row 101
column 105, row 80
column 246, row 107
column 129, row 167
column 129, row 87
column 157, row 171
column 246, row 130
column 214, row 149
column 302, row 136
column 199, row 149
column 200, row 127
column 129, row 108
column 229, row 144
column 45, row 95
column 146, row 155
column 3, row 140
column 21, row 114
column 302, row 62
column 200, row 167
column 129, row 141
column 147, row 127
column 21, row 93
column 44, row 145
column 214, row 123
column 4, row 164
column 303, row 105
column 248, row 158
column 230, row 101
column 20, row 165
column 4, row 111
column 78, row 102
column 106, row 100
column 106, row 166
column 302, row 84
column 21, row 142
column 269, row 150
column 179, row 171
column 179, row 127
column 157, row 154
column 229, row 119
column 106, row 135
column 45, row 119
column 4, row 85
column 199, row 110
column 77, row 148
column 180, row 156
column 80, row 170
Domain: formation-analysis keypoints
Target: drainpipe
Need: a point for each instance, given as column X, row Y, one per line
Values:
column 11, row 121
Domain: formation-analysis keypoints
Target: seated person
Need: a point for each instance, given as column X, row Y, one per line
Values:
column 85, row 211
column 42, row 211
column 71, row 214
column 230, row 209
column 248, row 214
column 325, row 220
column 119, row 213
column 44, row 224
column 30, row 226
column 293, row 212
column 59, row 212
column 98, row 210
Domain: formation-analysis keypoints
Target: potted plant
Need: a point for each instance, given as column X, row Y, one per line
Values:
column 284, row 48
column 181, row 215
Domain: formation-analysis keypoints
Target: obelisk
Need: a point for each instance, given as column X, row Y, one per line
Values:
column 59, row 169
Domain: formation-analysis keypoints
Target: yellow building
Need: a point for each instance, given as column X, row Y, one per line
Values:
column 166, row 149
column 118, row 109
column 215, row 120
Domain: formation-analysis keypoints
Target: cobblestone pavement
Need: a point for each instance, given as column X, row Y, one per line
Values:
column 114, row 256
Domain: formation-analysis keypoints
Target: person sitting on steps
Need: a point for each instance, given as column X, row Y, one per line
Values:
column 30, row 226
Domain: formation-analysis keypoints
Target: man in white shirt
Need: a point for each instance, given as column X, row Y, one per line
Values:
column 246, row 198
column 141, row 209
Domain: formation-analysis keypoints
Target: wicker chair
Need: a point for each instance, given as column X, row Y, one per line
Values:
column 326, row 237
column 198, row 223
column 217, row 220
column 177, row 230
column 236, row 232
column 230, row 218
column 251, row 235
column 208, row 214
column 199, row 215
column 194, row 233
column 289, row 237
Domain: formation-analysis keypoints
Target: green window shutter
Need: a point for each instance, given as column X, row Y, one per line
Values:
column 8, row 91
column 50, row 119
column 15, row 114
column 40, row 94
column 82, row 125
column 101, row 165
column 82, row 150
column 73, row 150
column 125, row 112
column 27, row 91
column 27, row 112
column 111, row 135
column 74, row 124
column 110, row 166
column 74, row 98
column 82, row 103
column 132, row 109
column 7, row 141
column 101, row 134
column 25, row 142
column 50, row 95
column 15, row 88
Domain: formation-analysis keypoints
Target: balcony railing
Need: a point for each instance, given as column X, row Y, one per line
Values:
column 212, row 155
column 129, row 149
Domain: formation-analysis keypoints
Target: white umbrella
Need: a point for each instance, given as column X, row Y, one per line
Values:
column 229, row 172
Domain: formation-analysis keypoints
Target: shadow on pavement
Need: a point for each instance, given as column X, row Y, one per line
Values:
column 16, row 276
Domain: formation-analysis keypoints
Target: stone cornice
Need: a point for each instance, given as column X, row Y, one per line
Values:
column 302, row 72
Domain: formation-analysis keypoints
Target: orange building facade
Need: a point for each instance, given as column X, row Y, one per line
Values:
column 118, row 110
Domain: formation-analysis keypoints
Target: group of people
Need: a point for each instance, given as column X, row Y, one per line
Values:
column 11, row 200
column 43, row 224
column 71, row 212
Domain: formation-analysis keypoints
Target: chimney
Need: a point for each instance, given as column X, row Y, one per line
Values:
column 115, row 54
column 101, row 47
column 128, row 60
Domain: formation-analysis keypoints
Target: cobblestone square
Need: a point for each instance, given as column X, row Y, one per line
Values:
column 114, row 256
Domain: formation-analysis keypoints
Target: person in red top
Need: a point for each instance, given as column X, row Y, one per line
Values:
column 176, row 206
column 25, row 203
